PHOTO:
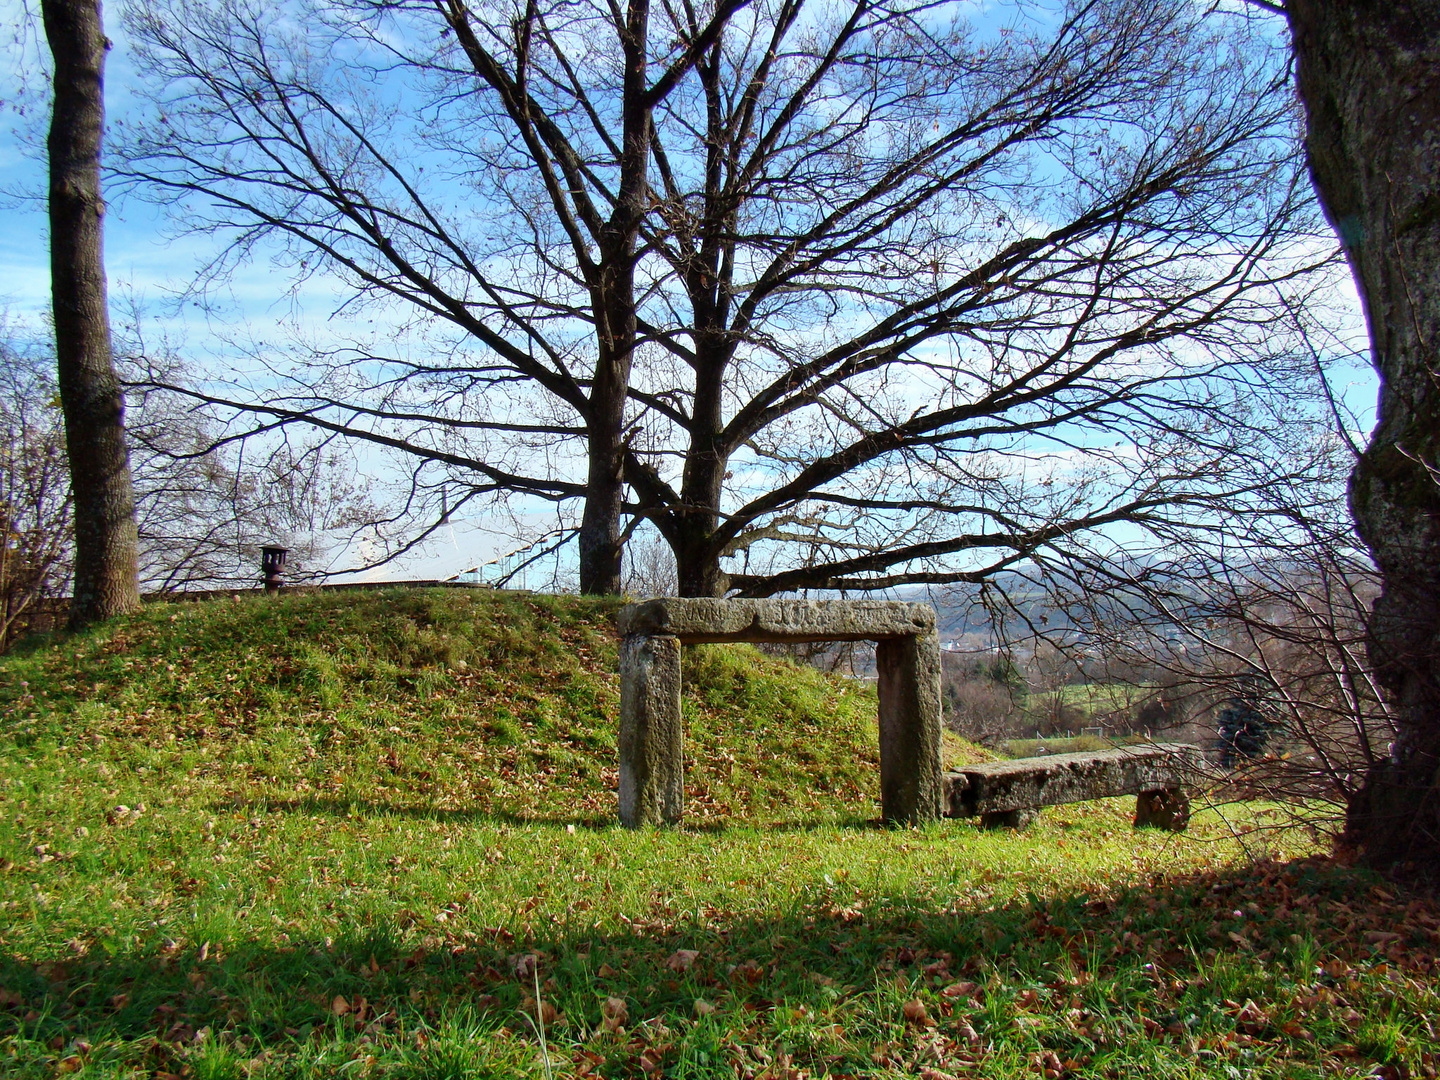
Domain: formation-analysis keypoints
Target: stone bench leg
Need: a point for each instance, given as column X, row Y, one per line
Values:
column 652, row 769
column 1168, row 809
column 1009, row 819
column 911, row 788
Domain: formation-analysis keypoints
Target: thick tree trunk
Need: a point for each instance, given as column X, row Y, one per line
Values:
column 697, row 559
column 613, row 297
column 599, row 540
column 1369, row 74
column 90, row 397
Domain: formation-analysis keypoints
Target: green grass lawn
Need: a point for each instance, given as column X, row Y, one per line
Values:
column 360, row 834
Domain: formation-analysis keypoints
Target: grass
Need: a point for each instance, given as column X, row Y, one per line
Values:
column 1067, row 744
column 353, row 834
column 1089, row 701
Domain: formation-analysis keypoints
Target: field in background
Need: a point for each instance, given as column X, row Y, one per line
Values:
column 371, row 834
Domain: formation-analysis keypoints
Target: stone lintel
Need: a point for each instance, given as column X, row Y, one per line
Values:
column 695, row 620
column 999, row 787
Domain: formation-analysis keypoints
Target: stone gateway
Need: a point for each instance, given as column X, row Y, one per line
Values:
column 907, row 654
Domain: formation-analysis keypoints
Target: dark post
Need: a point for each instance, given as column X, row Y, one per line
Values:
column 272, row 562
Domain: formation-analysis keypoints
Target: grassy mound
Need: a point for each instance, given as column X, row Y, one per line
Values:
column 371, row 835
column 410, row 699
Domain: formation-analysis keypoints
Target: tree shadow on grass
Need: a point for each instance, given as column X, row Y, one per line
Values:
column 342, row 808
column 1285, row 969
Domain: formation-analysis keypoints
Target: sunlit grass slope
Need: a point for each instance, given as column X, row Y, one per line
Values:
column 435, row 699
column 354, row 835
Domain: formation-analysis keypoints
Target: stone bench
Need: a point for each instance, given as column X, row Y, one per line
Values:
column 1011, row 793
column 907, row 656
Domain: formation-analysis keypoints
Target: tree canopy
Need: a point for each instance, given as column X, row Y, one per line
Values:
column 830, row 296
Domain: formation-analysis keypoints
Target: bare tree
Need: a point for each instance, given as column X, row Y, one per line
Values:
column 1274, row 617
column 834, row 298
column 105, row 581
column 1369, row 75
column 649, row 567
column 206, row 503
column 35, row 504
column 203, row 510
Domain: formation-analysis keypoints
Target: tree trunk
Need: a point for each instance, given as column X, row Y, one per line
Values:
column 1369, row 75
column 105, row 542
column 697, row 556
column 613, row 297
column 599, row 540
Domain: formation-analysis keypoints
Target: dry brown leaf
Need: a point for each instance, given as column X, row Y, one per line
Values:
column 681, row 959
column 339, row 1006
column 916, row 1015
column 587, row 1061
column 613, row 1015
column 967, row 990
column 749, row 971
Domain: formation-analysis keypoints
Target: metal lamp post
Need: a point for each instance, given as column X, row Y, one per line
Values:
column 272, row 563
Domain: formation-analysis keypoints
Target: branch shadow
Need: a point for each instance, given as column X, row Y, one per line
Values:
column 1098, row 978
column 594, row 822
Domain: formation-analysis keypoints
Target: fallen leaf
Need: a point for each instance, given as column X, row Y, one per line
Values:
column 681, row 959
column 968, row 990
column 916, row 1015
column 1050, row 1065
column 750, row 971
column 703, row 1007
column 339, row 1006
column 606, row 972
column 613, row 1014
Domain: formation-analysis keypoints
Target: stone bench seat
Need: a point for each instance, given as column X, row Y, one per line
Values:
column 1011, row 793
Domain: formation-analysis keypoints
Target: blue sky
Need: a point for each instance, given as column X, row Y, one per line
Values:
column 144, row 263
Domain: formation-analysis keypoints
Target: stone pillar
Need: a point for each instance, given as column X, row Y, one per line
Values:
column 1167, row 809
column 652, row 778
column 911, row 787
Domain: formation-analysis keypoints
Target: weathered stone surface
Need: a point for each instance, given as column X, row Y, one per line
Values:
column 1008, row 819
column 652, row 774
column 702, row 619
column 1162, row 810
column 911, row 788
column 998, row 787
